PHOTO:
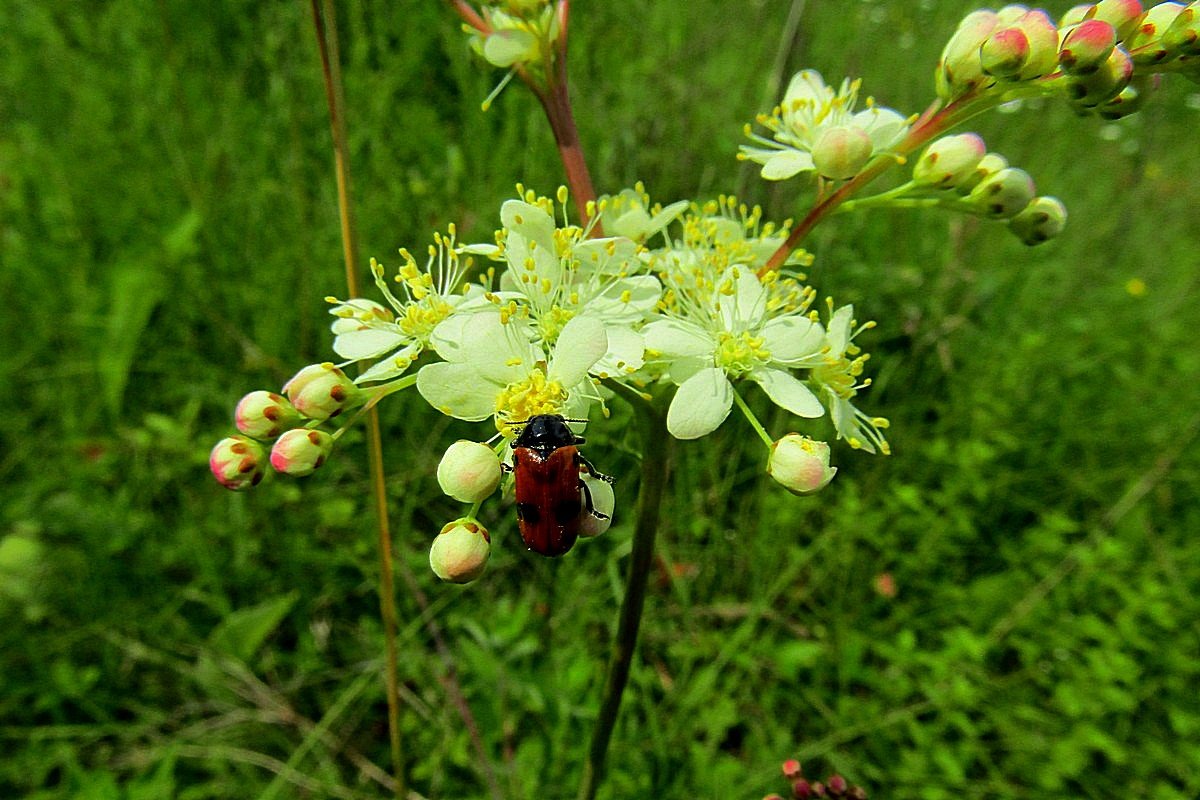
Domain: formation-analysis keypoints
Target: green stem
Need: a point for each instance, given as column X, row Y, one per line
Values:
column 753, row 420
column 325, row 23
column 655, row 469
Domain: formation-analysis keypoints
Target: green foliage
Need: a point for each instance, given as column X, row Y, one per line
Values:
column 168, row 231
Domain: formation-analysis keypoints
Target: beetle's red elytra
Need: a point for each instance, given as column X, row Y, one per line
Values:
column 551, row 497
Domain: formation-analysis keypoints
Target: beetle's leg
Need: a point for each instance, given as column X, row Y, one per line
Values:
column 591, row 470
column 509, row 467
column 588, row 504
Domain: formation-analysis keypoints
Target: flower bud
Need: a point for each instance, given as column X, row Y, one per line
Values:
column 1004, row 194
column 507, row 46
column 237, row 462
column 989, row 165
column 300, row 452
column 959, row 69
column 1131, row 98
column 1087, row 46
column 321, row 391
column 1089, row 91
column 1123, row 15
column 604, row 500
column 1076, row 15
column 800, row 464
column 1145, row 45
column 460, row 552
column 1040, row 221
column 1184, row 34
column 792, row 769
column 949, row 161
column 265, row 415
column 841, row 152
column 1004, row 53
column 469, row 471
column 1042, row 34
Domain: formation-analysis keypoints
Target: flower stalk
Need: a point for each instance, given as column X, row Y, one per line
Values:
column 655, row 472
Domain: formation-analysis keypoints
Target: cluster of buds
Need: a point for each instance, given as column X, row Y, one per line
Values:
column 966, row 177
column 315, row 394
column 834, row 786
column 1104, row 56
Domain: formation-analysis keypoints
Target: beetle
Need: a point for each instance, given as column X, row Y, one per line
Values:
column 551, row 497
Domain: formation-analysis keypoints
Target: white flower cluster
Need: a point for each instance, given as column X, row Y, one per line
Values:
column 564, row 312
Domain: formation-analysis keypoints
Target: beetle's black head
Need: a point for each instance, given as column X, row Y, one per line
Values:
column 546, row 433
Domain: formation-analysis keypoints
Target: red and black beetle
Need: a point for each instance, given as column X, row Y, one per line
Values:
column 551, row 498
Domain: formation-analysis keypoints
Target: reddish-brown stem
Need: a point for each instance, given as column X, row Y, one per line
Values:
column 471, row 16
column 931, row 123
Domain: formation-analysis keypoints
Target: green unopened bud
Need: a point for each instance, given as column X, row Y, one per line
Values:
column 265, row 415
column 949, row 161
column 507, row 46
column 989, row 165
column 460, row 552
column 1003, row 194
column 1183, row 36
column 321, row 391
column 1087, row 46
column 1131, row 98
column 1042, row 34
column 1146, row 45
column 237, row 462
column 1004, row 53
column 604, row 500
column 1089, row 91
column 301, row 452
column 1040, row 221
column 959, row 69
column 841, row 152
column 1076, row 15
column 1123, row 15
column 469, row 471
column 800, row 464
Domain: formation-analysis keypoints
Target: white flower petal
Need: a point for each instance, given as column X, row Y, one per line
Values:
column 500, row 352
column 508, row 46
column 838, row 333
column 530, row 221
column 674, row 338
column 742, row 309
column 581, row 344
column 806, row 85
column 792, row 340
column 625, row 352
column 612, row 306
column 788, row 393
column 608, row 256
column 392, row 366
column 785, row 164
column 700, row 405
column 367, row 343
column 456, row 390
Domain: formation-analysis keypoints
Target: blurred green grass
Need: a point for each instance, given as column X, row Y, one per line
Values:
column 168, row 229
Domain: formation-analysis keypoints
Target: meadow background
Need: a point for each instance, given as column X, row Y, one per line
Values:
column 168, row 229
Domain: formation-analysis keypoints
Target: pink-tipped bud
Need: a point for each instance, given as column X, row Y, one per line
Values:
column 1087, row 46
column 1040, row 221
column 1042, row 34
column 1183, row 36
column 469, row 471
column 265, row 415
column 460, row 552
column 949, row 161
column 960, row 70
column 841, row 152
column 837, row 785
column 1089, row 91
column 1145, row 45
column 300, row 452
column 1004, row 194
column 1004, row 53
column 802, row 790
column 237, row 462
column 1076, row 15
column 1123, row 15
column 800, row 464
column 603, row 502
column 321, row 391
column 792, row 769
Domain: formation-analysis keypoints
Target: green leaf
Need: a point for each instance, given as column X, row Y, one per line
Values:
column 135, row 290
column 243, row 632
